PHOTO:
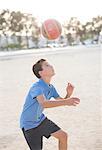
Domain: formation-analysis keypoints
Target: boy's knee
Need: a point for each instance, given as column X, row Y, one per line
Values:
column 64, row 136
column 61, row 135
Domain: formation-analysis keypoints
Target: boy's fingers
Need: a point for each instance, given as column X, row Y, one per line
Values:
column 69, row 84
column 76, row 102
column 75, row 99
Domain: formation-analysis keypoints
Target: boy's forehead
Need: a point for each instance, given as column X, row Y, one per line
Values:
column 45, row 62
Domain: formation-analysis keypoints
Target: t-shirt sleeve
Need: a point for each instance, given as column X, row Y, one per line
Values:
column 55, row 93
column 35, row 91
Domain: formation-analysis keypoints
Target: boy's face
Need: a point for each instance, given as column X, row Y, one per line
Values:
column 47, row 70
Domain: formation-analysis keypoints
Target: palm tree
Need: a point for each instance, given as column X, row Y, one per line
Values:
column 36, row 34
column 4, row 24
column 74, row 30
column 16, row 25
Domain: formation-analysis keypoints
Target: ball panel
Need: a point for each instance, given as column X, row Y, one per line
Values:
column 44, row 33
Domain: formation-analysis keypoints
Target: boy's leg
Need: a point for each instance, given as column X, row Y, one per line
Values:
column 34, row 140
column 62, row 137
column 47, row 128
column 51, row 129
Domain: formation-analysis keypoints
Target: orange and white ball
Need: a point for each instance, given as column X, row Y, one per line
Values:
column 51, row 29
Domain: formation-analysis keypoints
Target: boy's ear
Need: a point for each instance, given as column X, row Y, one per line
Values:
column 40, row 73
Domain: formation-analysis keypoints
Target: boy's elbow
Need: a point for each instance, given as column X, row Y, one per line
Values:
column 43, row 104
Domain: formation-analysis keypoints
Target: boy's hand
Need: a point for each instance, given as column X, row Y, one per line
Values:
column 69, row 89
column 72, row 101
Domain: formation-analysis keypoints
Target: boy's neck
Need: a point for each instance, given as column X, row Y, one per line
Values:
column 46, row 80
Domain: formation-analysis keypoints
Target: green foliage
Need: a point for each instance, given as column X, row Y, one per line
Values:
column 13, row 46
column 16, row 24
column 86, row 31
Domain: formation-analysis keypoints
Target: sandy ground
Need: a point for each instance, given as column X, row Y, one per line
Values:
column 80, row 66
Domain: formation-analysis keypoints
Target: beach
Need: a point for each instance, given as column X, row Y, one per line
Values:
column 79, row 65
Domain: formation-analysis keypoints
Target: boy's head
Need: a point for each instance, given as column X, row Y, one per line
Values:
column 42, row 68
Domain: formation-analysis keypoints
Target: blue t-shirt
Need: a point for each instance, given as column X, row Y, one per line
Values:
column 32, row 114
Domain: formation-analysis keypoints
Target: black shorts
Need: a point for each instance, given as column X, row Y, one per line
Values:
column 34, row 137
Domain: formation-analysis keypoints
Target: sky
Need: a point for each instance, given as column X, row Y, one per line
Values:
column 62, row 10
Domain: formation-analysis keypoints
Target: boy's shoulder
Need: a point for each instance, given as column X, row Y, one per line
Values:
column 35, row 84
column 41, row 84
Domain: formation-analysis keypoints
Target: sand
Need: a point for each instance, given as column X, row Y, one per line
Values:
column 79, row 65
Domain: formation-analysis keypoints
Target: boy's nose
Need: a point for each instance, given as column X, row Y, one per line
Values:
column 51, row 66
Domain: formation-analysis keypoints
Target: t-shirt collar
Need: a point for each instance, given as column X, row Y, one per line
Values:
column 44, row 83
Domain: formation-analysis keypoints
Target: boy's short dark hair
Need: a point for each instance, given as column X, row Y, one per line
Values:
column 38, row 67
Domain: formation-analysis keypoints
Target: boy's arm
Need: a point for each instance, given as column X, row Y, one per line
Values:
column 69, row 90
column 55, row 103
column 60, row 98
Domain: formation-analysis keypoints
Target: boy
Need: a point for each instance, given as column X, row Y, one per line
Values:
column 33, row 122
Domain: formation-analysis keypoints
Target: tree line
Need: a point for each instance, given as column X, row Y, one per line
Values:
column 18, row 24
column 89, row 30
